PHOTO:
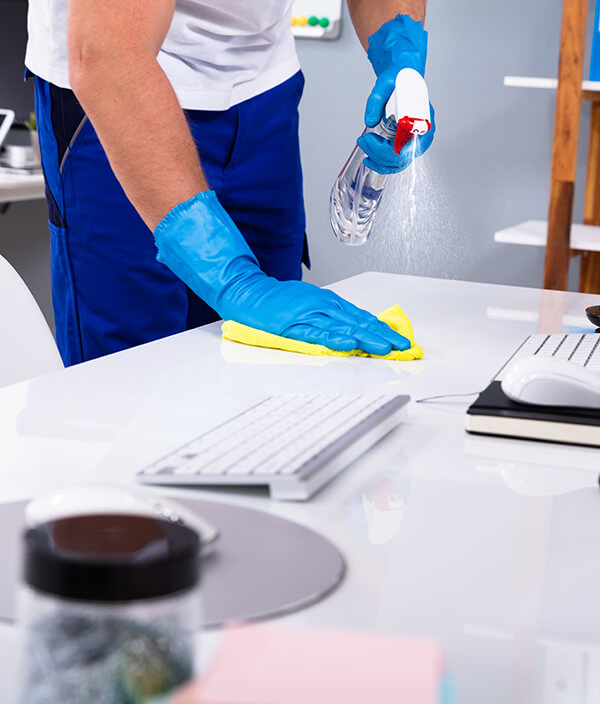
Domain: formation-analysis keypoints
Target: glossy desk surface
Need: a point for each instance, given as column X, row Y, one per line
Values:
column 491, row 546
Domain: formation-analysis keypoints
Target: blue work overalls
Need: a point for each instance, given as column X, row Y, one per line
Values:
column 109, row 292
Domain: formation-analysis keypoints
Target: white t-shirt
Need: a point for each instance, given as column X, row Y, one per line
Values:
column 216, row 54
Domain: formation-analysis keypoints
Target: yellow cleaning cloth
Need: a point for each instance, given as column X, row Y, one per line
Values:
column 395, row 317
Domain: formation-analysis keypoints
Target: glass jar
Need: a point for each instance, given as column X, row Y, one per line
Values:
column 109, row 607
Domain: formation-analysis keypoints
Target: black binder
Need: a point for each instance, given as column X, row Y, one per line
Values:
column 493, row 413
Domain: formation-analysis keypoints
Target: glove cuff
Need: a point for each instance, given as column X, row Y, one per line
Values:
column 399, row 36
column 201, row 245
column 198, row 206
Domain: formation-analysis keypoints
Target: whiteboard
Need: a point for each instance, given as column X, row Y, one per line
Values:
column 317, row 19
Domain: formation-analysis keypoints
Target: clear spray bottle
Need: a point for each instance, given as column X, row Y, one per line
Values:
column 357, row 191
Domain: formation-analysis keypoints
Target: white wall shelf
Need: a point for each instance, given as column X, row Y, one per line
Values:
column 546, row 83
column 534, row 233
column 17, row 187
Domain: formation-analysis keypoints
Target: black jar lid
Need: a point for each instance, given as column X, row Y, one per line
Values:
column 111, row 558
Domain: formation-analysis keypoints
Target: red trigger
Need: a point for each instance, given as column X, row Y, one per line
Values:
column 403, row 134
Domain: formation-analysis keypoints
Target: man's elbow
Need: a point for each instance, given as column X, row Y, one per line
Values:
column 87, row 65
column 94, row 67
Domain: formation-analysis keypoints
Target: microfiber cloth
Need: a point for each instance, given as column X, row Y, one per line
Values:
column 395, row 317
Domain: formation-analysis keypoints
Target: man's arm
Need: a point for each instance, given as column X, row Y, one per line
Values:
column 369, row 15
column 116, row 77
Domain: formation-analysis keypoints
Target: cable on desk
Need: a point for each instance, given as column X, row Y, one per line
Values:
column 437, row 398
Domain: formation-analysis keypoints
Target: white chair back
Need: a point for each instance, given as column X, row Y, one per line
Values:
column 27, row 347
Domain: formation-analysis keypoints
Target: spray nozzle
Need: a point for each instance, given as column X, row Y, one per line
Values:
column 409, row 107
column 408, row 128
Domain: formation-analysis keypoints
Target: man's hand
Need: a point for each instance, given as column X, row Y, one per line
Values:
column 382, row 157
column 200, row 243
column 116, row 77
column 301, row 311
column 395, row 44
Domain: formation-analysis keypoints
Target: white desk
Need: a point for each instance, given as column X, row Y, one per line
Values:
column 491, row 546
column 16, row 187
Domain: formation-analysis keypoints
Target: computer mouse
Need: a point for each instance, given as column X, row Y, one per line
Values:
column 547, row 381
column 109, row 499
column 593, row 314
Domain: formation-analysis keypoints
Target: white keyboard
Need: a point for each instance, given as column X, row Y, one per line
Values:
column 581, row 349
column 294, row 444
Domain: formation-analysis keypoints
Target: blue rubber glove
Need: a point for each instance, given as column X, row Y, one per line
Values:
column 399, row 43
column 200, row 243
column 381, row 156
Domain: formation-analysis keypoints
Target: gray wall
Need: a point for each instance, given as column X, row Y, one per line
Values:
column 14, row 92
column 488, row 168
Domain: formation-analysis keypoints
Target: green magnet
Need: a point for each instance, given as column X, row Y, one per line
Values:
column 313, row 21
column 324, row 22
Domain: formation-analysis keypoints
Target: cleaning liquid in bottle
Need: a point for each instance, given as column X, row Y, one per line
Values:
column 357, row 191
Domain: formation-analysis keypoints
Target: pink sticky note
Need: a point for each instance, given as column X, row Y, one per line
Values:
column 265, row 665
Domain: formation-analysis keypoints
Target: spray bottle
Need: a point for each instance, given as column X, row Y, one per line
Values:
column 356, row 194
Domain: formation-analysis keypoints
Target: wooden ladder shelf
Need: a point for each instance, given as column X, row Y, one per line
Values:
column 569, row 98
